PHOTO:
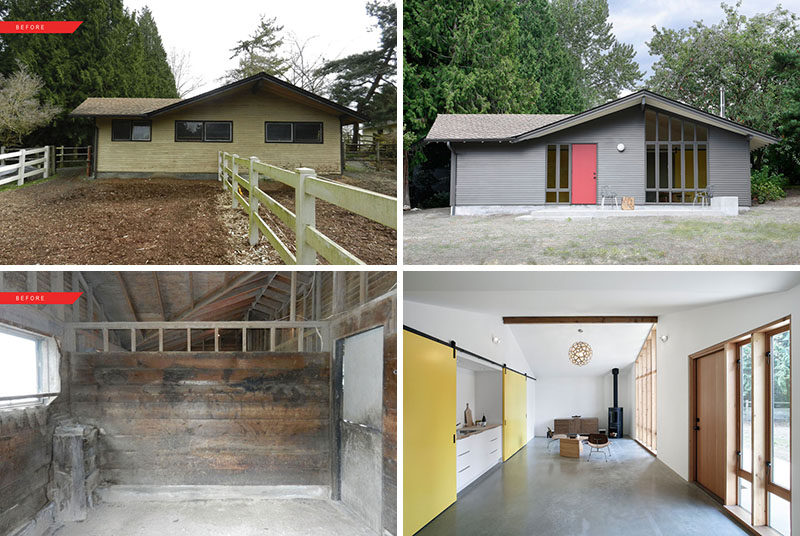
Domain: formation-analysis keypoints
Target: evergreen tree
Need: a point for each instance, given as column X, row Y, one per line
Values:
column 544, row 57
column 367, row 80
column 259, row 53
column 109, row 55
column 606, row 66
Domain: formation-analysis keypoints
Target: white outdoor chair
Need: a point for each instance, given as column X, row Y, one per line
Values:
column 703, row 196
column 606, row 192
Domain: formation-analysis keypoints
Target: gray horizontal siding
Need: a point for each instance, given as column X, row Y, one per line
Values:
column 514, row 174
column 729, row 165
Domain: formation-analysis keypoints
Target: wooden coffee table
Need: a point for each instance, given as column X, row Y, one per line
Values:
column 571, row 447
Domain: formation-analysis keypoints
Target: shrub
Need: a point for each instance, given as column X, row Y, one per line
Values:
column 767, row 186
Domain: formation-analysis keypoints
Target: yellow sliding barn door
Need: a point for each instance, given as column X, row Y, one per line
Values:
column 429, row 450
column 515, row 426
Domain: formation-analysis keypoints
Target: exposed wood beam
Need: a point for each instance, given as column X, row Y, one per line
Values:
column 580, row 319
column 160, row 298
column 261, row 293
column 214, row 294
column 127, row 295
column 191, row 288
column 293, row 298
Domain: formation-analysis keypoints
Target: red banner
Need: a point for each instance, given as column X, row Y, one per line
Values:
column 39, row 26
column 39, row 298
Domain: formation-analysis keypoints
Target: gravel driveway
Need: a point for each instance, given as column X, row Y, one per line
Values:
column 767, row 234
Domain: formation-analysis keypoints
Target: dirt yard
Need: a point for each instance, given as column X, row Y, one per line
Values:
column 72, row 220
column 767, row 234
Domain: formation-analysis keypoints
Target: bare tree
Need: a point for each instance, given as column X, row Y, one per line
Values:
column 180, row 63
column 20, row 110
column 304, row 67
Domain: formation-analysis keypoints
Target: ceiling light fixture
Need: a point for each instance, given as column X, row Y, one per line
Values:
column 495, row 339
column 580, row 353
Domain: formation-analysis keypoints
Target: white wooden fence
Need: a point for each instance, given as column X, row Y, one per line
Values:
column 38, row 159
column 308, row 188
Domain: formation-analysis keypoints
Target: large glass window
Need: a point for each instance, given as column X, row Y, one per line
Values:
column 679, row 169
column 645, row 372
column 778, row 445
column 557, row 187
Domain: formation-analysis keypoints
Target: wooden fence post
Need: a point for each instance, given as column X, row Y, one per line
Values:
column 234, row 184
column 253, row 202
column 305, row 216
column 88, row 160
column 52, row 153
column 219, row 168
column 378, row 155
column 46, row 161
column 21, row 169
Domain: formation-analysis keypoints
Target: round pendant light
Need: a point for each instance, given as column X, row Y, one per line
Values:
column 580, row 353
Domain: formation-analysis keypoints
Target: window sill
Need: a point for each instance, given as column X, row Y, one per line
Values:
column 742, row 516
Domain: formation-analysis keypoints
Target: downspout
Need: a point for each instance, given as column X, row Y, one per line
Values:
column 453, row 178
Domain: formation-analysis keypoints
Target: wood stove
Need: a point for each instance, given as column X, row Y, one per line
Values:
column 615, row 413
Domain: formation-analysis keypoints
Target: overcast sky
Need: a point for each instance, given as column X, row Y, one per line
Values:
column 633, row 19
column 210, row 29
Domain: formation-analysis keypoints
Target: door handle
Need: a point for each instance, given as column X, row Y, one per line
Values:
column 695, row 428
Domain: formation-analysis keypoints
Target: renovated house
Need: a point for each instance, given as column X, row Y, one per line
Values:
column 262, row 116
column 645, row 146
column 600, row 403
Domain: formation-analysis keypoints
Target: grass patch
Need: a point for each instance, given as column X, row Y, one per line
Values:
column 14, row 186
column 772, row 231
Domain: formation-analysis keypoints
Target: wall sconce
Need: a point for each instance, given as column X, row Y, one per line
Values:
column 495, row 339
column 664, row 338
column 620, row 147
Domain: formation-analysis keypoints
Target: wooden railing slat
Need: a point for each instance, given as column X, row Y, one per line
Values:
column 377, row 207
column 330, row 250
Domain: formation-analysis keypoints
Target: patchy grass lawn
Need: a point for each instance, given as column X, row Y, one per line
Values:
column 767, row 234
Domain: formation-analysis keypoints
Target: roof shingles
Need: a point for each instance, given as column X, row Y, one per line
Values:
column 96, row 106
column 463, row 127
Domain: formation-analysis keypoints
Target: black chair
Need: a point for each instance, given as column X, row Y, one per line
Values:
column 599, row 443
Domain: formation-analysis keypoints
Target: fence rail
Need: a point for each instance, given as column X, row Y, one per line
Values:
column 370, row 151
column 27, row 163
column 309, row 241
column 68, row 156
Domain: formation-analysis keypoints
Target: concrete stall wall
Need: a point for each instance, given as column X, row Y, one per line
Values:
column 379, row 312
column 694, row 330
column 232, row 418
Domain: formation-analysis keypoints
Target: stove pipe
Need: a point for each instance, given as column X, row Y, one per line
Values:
column 615, row 373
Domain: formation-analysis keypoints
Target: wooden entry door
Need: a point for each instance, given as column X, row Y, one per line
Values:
column 584, row 174
column 710, row 423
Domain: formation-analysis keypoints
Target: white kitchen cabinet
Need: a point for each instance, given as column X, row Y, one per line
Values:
column 476, row 454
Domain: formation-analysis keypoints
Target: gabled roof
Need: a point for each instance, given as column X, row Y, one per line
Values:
column 138, row 107
column 641, row 98
column 486, row 127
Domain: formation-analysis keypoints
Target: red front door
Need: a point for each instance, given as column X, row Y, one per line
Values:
column 584, row 174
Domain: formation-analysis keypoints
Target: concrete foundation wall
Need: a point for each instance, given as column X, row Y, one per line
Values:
column 227, row 418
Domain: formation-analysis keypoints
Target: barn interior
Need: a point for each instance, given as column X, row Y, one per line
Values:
column 180, row 402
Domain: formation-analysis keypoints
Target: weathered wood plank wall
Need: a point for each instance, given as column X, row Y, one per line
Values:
column 207, row 418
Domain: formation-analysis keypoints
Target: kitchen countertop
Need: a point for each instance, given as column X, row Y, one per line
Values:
column 472, row 430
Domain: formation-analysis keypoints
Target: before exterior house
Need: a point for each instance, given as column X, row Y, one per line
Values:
column 261, row 116
column 646, row 146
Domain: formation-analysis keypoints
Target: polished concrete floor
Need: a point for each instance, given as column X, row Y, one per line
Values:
column 278, row 517
column 538, row 492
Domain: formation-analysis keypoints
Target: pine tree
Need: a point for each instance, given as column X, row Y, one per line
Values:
column 259, row 53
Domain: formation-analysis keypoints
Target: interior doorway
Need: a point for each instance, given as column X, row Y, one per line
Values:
column 710, row 422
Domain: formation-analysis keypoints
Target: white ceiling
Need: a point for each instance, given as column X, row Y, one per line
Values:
column 613, row 345
column 508, row 293
column 596, row 292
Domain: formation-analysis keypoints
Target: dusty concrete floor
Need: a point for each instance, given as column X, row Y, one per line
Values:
column 541, row 493
column 767, row 234
column 218, row 518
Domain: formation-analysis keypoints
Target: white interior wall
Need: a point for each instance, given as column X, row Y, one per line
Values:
column 697, row 329
column 465, row 394
column 489, row 396
column 471, row 331
column 531, row 392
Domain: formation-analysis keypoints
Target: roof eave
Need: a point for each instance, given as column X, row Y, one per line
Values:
column 465, row 140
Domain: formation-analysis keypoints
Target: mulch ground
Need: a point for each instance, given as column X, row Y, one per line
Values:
column 73, row 220
column 112, row 221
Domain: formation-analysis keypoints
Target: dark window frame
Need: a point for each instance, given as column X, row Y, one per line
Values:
column 130, row 131
column 293, row 124
column 558, row 190
column 203, row 135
